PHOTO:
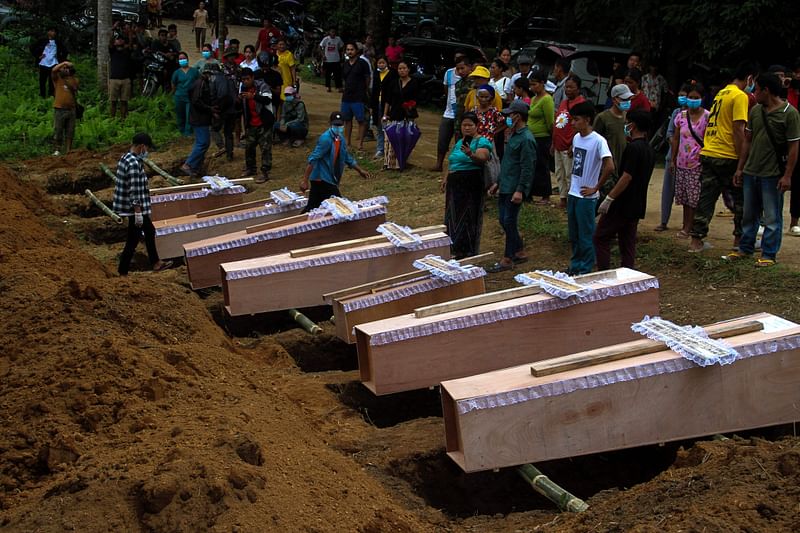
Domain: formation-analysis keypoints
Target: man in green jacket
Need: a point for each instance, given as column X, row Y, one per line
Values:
column 514, row 182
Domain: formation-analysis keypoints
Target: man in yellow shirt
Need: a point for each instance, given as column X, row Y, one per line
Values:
column 286, row 64
column 719, row 157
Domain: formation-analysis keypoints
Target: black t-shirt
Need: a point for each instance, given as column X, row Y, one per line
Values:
column 355, row 78
column 638, row 160
column 119, row 67
column 273, row 79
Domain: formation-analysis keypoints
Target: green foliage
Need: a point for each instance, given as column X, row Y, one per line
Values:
column 26, row 120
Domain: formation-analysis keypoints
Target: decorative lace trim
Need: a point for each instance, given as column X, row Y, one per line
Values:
column 509, row 313
column 268, row 209
column 345, row 256
column 568, row 289
column 450, row 270
column 193, row 195
column 217, row 182
column 400, row 236
column 279, row 232
column 691, row 342
column 405, row 289
column 603, row 379
column 286, row 197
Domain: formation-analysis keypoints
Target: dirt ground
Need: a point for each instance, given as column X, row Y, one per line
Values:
column 135, row 404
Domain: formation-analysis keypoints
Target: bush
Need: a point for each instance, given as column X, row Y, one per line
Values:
column 26, row 120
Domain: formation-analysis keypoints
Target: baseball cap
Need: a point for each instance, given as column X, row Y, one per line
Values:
column 524, row 60
column 621, row 91
column 516, row 106
column 289, row 90
column 481, row 72
column 143, row 138
column 336, row 119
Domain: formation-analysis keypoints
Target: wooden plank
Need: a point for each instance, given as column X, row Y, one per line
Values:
column 368, row 288
column 255, row 228
column 475, row 301
column 631, row 349
column 194, row 186
column 190, row 206
column 171, row 243
column 343, row 245
column 649, row 399
column 203, row 268
column 304, row 287
column 422, row 361
column 232, row 208
column 345, row 321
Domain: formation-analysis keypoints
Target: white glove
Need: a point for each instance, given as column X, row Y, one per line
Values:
column 138, row 219
column 604, row 205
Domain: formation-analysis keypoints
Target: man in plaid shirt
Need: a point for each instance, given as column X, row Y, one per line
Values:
column 132, row 200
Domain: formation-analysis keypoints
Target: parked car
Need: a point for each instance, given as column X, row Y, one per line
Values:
column 132, row 10
column 592, row 63
column 430, row 58
column 522, row 29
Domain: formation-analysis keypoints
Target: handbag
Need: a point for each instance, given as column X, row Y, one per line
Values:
column 491, row 170
column 781, row 154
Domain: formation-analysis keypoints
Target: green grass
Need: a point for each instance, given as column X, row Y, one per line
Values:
column 26, row 120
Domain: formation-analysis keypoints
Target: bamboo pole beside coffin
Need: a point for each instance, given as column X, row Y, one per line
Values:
column 509, row 417
column 407, row 352
column 204, row 257
column 281, row 281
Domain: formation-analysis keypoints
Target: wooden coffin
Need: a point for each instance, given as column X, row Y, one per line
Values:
column 204, row 257
column 388, row 298
column 173, row 233
column 282, row 281
column 406, row 352
column 509, row 417
column 174, row 202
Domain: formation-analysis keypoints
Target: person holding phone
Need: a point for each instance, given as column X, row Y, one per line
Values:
column 463, row 186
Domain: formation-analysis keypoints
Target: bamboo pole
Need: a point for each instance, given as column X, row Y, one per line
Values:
column 304, row 321
column 107, row 172
column 172, row 180
column 103, row 207
column 550, row 490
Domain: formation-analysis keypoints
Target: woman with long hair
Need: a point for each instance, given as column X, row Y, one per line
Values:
column 540, row 122
column 383, row 77
column 401, row 106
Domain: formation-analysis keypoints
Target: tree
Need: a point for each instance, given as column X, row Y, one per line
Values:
column 221, row 22
column 103, row 38
column 379, row 20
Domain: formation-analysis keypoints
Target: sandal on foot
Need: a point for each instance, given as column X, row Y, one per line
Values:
column 163, row 266
column 764, row 263
column 735, row 256
column 499, row 267
column 660, row 227
column 794, row 231
column 682, row 235
column 519, row 260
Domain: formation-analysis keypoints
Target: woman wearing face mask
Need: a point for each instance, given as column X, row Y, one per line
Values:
column 686, row 143
column 464, row 188
column 563, row 134
column 382, row 78
column 400, row 107
column 182, row 80
column 207, row 59
column 250, row 60
column 668, row 185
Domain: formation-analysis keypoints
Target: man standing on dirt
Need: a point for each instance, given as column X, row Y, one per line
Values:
column 268, row 37
column 326, row 164
column 132, row 201
column 64, row 106
column 331, row 47
column 200, row 117
column 356, row 75
column 447, row 124
column 48, row 52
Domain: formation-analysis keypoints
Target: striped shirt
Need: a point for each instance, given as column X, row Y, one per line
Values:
column 131, row 188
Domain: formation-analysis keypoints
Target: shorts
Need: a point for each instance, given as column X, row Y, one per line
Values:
column 352, row 109
column 119, row 90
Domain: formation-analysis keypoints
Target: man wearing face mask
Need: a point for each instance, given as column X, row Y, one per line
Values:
column 611, row 125
column 326, row 164
column 132, row 201
column 514, row 182
column 722, row 144
column 293, row 126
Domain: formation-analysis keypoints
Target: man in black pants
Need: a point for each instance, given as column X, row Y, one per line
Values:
column 132, row 201
column 48, row 52
column 326, row 165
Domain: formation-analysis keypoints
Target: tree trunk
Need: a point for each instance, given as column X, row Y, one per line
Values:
column 379, row 21
column 103, row 39
column 221, row 22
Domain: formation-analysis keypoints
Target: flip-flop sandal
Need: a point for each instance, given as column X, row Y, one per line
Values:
column 164, row 266
column 682, row 235
column 660, row 227
column 519, row 260
column 765, row 263
column 499, row 267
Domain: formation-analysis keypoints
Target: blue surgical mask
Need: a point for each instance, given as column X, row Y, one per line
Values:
column 289, row 98
column 206, row 54
column 509, row 122
column 143, row 155
column 624, row 105
column 682, row 100
column 183, row 62
column 627, row 129
column 338, row 130
column 693, row 103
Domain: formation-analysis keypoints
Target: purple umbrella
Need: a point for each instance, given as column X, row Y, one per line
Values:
column 403, row 137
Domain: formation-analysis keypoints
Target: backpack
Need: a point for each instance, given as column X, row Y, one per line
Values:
column 491, row 170
column 223, row 93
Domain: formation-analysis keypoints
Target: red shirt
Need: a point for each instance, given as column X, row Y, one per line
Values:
column 254, row 117
column 792, row 96
column 268, row 37
column 394, row 54
column 562, row 128
column 640, row 101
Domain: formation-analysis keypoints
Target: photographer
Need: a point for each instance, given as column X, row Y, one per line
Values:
column 66, row 90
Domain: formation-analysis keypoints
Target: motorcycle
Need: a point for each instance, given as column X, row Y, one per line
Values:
column 155, row 68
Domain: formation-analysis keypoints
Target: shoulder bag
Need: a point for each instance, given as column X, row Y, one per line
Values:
column 780, row 153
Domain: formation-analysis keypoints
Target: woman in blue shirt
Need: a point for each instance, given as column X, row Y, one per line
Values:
column 182, row 80
column 464, row 188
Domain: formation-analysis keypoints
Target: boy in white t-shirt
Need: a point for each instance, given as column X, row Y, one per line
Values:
column 591, row 165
